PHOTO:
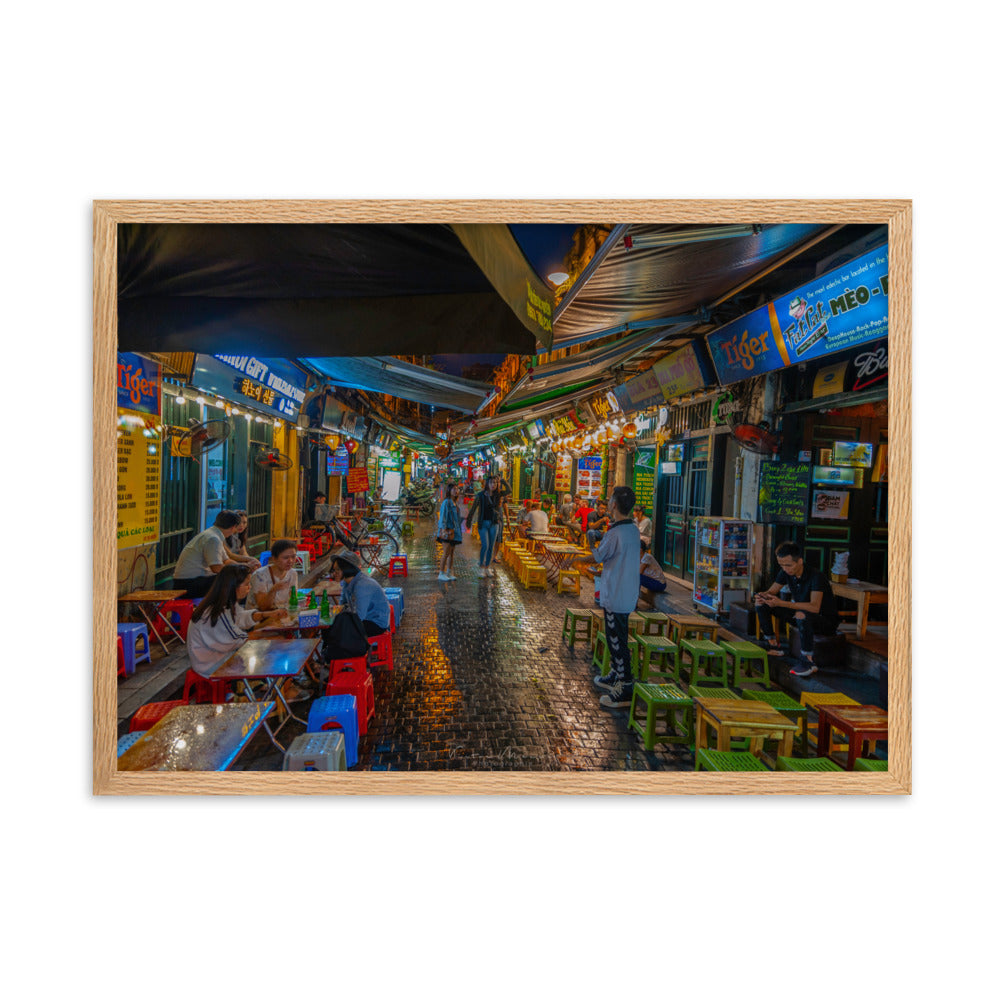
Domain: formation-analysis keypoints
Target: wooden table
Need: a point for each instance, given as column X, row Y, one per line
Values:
column 196, row 738
column 682, row 626
column 738, row 717
column 560, row 555
column 864, row 595
column 859, row 723
column 153, row 599
column 270, row 660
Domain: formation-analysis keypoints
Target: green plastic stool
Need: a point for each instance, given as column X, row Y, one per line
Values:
column 726, row 760
column 747, row 653
column 862, row 764
column 602, row 654
column 666, row 698
column 573, row 618
column 660, row 647
column 788, row 707
column 657, row 623
column 705, row 653
column 407, row 528
column 810, row 764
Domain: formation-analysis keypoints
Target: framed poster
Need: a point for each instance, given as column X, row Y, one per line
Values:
column 519, row 768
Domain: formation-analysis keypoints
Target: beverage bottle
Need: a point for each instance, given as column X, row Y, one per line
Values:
column 309, row 601
column 293, row 600
column 324, row 608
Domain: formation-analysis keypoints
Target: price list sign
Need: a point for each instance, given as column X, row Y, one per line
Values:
column 644, row 477
column 139, row 457
column 783, row 497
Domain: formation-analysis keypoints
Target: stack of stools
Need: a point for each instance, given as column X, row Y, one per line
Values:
column 149, row 715
column 705, row 655
column 337, row 712
column 533, row 573
column 352, row 677
column 577, row 622
column 316, row 752
column 178, row 613
column 748, row 653
column 394, row 595
column 130, row 633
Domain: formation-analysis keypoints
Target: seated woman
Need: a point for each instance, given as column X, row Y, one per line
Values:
column 219, row 625
column 236, row 543
column 360, row 594
column 651, row 577
column 271, row 585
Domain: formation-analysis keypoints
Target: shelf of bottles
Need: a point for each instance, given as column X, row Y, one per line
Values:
column 721, row 561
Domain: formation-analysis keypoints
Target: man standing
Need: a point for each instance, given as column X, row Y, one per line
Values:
column 812, row 605
column 619, row 552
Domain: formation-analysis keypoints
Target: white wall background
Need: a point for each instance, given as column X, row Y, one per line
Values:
column 499, row 897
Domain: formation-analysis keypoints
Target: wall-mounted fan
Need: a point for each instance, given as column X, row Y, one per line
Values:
column 272, row 460
column 757, row 438
column 201, row 438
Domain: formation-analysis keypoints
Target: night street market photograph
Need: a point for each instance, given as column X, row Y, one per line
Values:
column 584, row 497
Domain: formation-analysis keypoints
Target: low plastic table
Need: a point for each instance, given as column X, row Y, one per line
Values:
column 733, row 718
column 859, row 723
column 152, row 599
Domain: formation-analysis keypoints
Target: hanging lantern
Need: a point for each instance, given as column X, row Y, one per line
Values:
column 442, row 449
column 629, row 430
column 351, row 445
column 332, row 441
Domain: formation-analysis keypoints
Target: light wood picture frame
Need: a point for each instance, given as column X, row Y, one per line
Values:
column 896, row 214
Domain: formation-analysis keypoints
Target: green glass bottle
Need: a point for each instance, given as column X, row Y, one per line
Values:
column 293, row 599
column 324, row 608
column 309, row 601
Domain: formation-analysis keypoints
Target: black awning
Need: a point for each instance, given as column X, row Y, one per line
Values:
column 291, row 290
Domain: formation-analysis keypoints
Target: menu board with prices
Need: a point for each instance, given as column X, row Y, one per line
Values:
column 588, row 476
column 644, row 477
column 564, row 473
column 139, row 458
column 783, row 496
column 357, row 480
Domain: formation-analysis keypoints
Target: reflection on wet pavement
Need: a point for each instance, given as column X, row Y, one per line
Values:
column 483, row 681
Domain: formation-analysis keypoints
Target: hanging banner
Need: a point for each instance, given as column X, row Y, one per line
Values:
column 839, row 310
column 269, row 385
column 588, row 476
column 564, row 472
column 357, row 480
column 644, row 477
column 139, row 458
column 639, row 392
column 138, row 384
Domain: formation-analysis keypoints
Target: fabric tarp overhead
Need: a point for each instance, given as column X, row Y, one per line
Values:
column 399, row 378
column 649, row 282
column 290, row 290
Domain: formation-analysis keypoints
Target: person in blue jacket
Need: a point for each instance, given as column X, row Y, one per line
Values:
column 449, row 532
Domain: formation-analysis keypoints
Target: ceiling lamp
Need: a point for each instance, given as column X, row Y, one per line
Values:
column 558, row 277
column 442, row 449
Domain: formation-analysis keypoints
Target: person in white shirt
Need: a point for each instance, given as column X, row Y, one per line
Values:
column 644, row 525
column 204, row 556
column 271, row 585
column 538, row 520
column 219, row 625
column 651, row 576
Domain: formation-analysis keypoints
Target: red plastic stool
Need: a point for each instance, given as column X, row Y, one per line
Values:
column 121, row 657
column 204, row 690
column 359, row 683
column 149, row 715
column 392, row 620
column 178, row 613
column 381, row 649
column 397, row 562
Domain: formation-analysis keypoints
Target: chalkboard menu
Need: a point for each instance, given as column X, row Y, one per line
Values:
column 644, row 477
column 783, row 497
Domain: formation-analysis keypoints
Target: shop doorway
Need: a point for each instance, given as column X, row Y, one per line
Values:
column 684, row 496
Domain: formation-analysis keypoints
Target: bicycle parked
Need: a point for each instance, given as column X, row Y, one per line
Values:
column 374, row 546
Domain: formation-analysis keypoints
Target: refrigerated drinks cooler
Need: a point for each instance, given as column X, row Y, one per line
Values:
column 721, row 561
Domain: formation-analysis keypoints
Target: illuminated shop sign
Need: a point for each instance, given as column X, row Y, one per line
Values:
column 842, row 309
column 138, row 384
column 272, row 385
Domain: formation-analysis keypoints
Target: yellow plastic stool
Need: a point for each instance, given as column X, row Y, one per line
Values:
column 573, row 584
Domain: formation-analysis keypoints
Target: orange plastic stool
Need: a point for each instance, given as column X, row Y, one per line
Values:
column 149, row 715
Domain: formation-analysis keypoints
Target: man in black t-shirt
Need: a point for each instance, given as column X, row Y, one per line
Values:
column 811, row 605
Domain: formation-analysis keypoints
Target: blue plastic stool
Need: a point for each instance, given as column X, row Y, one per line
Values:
column 264, row 556
column 337, row 711
column 128, row 739
column 395, row 596
column 130, row 632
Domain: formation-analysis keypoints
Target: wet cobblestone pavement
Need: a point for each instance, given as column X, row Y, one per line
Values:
column 483, row 681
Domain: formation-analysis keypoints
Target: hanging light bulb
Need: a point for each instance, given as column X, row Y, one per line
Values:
column 200, row 400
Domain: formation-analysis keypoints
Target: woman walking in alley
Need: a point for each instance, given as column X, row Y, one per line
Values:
column 449, row 532
column 486, row 507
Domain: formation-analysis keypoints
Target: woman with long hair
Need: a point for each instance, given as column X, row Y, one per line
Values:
column 449, row 532
column 487, row 506
column 237, row 542
column 219, row 625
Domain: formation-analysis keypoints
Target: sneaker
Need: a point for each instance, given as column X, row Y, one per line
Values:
column 620, row 696
column 482, row 571
column 606, row 681
column 806, row 669
column 490, row 571
column 444, row 577
column 451, row 577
